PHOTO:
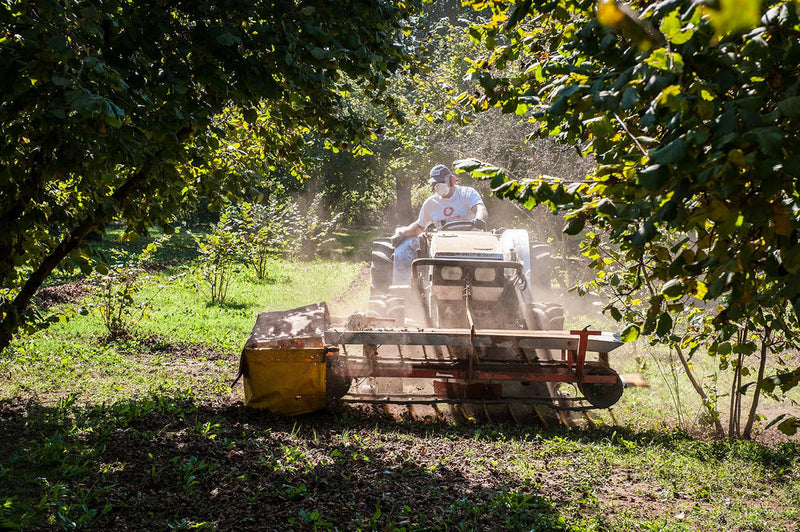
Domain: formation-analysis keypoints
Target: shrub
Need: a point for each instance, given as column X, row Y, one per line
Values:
column 220, row 250
column 282, row 226
column 115, row 288
column 309, row 231
column 263, row 229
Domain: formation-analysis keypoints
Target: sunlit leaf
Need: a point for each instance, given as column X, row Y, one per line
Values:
column 734, row 16
column 673, row 29
column 630, row 333
column 608, row 14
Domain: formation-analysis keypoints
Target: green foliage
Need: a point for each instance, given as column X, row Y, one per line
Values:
column 309, row 228
column 221, row 250
column 121, row 110
column 114, row 299
column 115, row 290
column 255, row 233
column 5, row 515
column 371, row 180
column 692, row 121
column 430, row 132
column 358, row 186
column 263, row 233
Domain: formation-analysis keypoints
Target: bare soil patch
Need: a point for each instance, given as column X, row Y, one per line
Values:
column 60, row 294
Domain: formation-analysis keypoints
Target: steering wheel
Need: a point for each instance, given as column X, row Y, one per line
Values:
column 459, row 225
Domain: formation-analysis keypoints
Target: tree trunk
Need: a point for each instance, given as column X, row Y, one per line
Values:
column 735, row 398
column 102, row 214
column 699, row 389
column 402, row 186
column 748, row 428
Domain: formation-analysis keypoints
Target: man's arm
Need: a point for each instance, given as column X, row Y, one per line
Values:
column 480, row 212
column 481, row 215
column 408, row 231
column 412, row 229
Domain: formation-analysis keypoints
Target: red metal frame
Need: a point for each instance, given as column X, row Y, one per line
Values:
column 569, row 369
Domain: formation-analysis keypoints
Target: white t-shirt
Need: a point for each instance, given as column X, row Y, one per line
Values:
column 437, row 210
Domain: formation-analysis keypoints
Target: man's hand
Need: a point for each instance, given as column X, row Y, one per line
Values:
column 397, row 238
column 477, row 223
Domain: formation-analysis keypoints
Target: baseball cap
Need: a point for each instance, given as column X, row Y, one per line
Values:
column 439, row 173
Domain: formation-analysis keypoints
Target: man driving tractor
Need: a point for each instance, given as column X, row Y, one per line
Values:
column 450, row 202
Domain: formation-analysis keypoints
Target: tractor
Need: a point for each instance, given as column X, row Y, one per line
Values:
column 473, row 334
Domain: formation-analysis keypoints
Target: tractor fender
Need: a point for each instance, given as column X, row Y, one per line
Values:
column 517, row 240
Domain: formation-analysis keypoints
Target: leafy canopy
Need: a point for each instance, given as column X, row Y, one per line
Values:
column 693, row 117
column 116, row 109
column 692, row 133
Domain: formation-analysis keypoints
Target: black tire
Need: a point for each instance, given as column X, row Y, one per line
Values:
column 336, row 384
column 388, row 306
column 381, row 267
column 541, row 267
column 396, row 309
column 377, row 306
column 601, row 395
column 383, row 244
column 555, row 316
column 548, row 316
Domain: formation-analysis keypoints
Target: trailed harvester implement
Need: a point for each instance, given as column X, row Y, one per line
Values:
column 478, row 366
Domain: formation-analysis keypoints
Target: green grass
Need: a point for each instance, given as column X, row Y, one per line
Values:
column 184, row 315
column 670, row 400
column 181, row 308
column 168, row 460
column 178, row 249
column 354, row 244
column 179, row 314
column 145, row 432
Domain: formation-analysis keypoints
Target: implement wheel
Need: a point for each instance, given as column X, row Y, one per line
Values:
column 336, row 384
column 601, row 395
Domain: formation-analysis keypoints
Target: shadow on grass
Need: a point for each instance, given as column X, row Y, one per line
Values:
column 166, row 461
column 272, row 280
column 629, row 440
column 228, row 305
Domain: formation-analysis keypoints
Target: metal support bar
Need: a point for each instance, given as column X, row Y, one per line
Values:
column 559, row 340
column 438, row 261
column 580, row 354
column 473, row 358
column 494, row 373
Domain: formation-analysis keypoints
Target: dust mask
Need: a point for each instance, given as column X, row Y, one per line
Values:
column 443, row 189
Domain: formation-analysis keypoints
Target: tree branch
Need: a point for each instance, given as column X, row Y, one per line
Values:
column 634, row 139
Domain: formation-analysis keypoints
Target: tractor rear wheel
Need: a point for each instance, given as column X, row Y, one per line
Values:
column 549, row 316
column 380, row 273
column 541, row 267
